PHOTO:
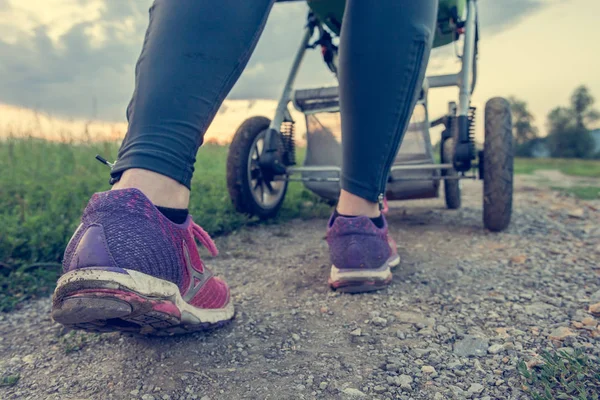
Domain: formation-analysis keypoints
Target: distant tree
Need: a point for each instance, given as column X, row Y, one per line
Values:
column 582, row 104
column 523, row 128
column 568, row 133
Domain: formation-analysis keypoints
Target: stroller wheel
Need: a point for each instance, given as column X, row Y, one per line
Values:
column 451, row 186
column 497, row 165
column 251, row 190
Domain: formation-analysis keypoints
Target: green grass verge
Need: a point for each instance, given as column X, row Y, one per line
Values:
column 574, row 167
column 581, row 192
column 44, row 187
column 563, row 376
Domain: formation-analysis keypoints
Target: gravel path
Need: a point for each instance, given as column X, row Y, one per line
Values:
column 464, row 306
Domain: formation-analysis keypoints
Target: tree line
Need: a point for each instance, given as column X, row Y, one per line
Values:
column 568, row 128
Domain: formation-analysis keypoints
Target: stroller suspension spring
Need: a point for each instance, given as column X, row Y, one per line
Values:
column 289, row 146
column 471, row 118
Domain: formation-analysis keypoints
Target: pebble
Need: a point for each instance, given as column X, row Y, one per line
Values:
column 539, row 309
column 296, row 337
column 428, row 369
column 561, row 333
column 471, row 346
column 28, row 359
column 403, row 381
column 576, row 213
column 408, row 317
column 475, row 388
column 356, row 332
column 442, row 330
column 323, row 385
column 148, row 397
column 426, row 332
column 458, row 392
column 495, row 348
column 438, row 396
column 379, row 389
column 587, row 321
column 378, row 321
column 353, row 392
column 595, row 309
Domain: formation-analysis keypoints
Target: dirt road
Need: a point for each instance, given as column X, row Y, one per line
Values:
column 464, row 306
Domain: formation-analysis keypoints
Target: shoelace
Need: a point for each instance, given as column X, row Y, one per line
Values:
column 203, row 238
column 385, row 206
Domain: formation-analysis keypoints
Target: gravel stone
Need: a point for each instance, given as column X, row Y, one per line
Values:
column 471, row 346
column 355, row 393
column 428, row 369
column 475, row 388
column 496, row 348
column 378, row 321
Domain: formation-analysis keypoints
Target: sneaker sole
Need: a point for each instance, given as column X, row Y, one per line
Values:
column 363, row 280
column 98, row 300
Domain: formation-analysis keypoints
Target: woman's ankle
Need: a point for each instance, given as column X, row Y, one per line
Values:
column 352, row 205
column 160, row 189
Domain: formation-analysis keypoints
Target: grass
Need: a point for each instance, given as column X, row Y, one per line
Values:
column 9, row 380
column 563, row 376
column 581, row 192
column 574, row 167
column 44, row 187
column 77, row 340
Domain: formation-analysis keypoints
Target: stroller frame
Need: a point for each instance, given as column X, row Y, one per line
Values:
column 262, row 150
column 463, row 156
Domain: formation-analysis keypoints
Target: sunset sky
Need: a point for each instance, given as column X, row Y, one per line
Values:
column 75, row 58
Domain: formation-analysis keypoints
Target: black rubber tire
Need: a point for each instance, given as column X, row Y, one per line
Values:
column 238, row 184
column 451, row 186
column 498, row 165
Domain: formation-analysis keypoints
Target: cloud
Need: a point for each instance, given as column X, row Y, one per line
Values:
column 494, row 15
column 93, row 61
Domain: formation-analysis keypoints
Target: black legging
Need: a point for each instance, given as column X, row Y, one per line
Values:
column 195, row 50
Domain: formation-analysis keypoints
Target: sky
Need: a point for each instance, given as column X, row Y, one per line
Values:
column 76, row 58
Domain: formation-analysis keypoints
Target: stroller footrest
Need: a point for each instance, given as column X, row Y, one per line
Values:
column 307, row 100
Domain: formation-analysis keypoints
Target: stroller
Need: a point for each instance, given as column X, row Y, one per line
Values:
column 261, row 159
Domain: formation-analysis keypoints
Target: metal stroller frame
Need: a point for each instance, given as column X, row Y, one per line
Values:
column 274, row 160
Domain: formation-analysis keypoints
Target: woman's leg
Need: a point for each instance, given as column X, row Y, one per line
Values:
column 194, row 52
column 385, row 47
column 132, row 264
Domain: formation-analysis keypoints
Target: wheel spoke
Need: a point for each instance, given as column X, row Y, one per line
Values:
column 262, row 193
column 256, row 153
column 270, row 187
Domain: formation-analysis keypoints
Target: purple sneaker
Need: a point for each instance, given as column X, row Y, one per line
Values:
column 361, row 254
column 129, row 268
